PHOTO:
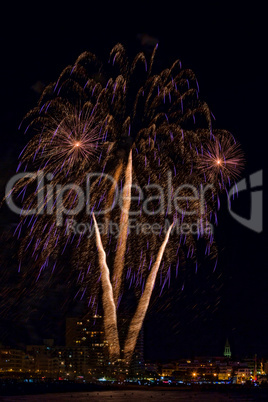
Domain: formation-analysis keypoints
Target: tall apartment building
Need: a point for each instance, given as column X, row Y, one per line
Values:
column 137, row 365
column 85, row 337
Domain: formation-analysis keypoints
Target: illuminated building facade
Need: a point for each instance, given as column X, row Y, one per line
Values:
column 86, row 336
column 137, row 366
column 45, row 361
column 227, row 350
column 11, row 360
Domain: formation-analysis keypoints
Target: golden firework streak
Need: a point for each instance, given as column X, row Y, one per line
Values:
column 110, row 199
column 137, row 320
column 110, row 319
column 119, row 260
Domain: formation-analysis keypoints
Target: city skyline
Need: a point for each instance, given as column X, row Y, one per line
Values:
column 81, row 359
column 85, row 353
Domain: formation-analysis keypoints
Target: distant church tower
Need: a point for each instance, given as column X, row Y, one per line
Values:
column 227, row 350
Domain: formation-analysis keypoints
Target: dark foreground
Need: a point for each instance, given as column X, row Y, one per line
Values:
column 99, row 393
column 144, row 395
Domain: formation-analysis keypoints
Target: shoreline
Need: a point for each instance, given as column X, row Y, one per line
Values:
column 26, row 389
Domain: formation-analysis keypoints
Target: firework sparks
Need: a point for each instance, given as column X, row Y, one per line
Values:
column 119, row 261
column 222, row 159
column 110, row 198
column 137, row 320
column 70, row 138
column 110, row 318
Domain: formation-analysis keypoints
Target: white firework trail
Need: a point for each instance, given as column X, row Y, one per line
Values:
column 137, row 320
column 119, row 260
column 110, row 317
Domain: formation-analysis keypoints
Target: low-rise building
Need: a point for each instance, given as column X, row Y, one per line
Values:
column 11, row 360
column 242, row 374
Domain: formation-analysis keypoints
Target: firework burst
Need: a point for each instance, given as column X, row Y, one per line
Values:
column 222, row 159
column 141, row 128
column 70, row 138
column 74, row 140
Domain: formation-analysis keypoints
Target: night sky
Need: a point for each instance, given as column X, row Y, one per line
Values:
column 226, row 48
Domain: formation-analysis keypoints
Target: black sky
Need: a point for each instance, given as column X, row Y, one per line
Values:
column 226, row 47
